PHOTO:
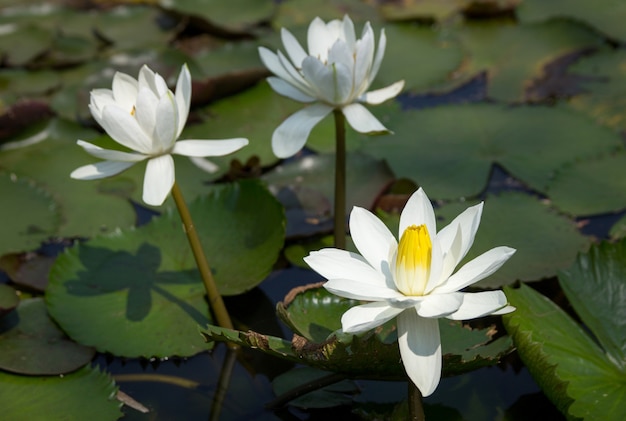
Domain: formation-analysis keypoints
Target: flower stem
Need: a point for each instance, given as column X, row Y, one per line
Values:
column 215, row 299
column 416, row 406
column 340, row 180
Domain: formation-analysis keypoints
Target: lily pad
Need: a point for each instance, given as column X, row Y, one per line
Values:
column 606, row 16
column 28, row 270
column 604, row 96
column 306, row 188
column 29, row 215
column 571, row 368
column 545, row 241
column 514, row 56
column 138, row 293
column 30, row 343
column 301, row 12
column 618, row 230
column 454, row 160
column 8, row 299
column 591, row 187
column 24, row 43
column 426, row 10
column 78, row 395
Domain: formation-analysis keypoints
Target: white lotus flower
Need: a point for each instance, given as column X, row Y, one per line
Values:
column 412, row 280
column 145, row 116
column 335, row 74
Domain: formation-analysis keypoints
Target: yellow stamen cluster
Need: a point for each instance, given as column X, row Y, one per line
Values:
column 413, row 259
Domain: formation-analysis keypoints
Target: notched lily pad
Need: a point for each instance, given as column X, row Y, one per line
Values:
column 30, row 343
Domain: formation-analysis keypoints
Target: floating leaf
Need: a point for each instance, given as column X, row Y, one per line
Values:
column 450, row 150
column 8, row 299
column 618, row 230
column 336, row 394
column 606, row 16
column 572, row 370
column 514, row 56
column 30, row 343
column 78, row 395
column 301, row 12
column 28, row 214
column 138, row 293
column 591, row 187
column 22, row 44
column 545, row 241
column 435, row 10
column 28, row 270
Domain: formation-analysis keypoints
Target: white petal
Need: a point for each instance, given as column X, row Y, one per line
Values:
column 417, row 211
column 364, row 55
column 155, row 82
column 361, row 120
column 146, row 110
column 166, row 122
column 367, row 316
column 420, row 348
column 109, row 154
column 292, row 46
column 481, row 304
column 204, row 164
column 286, row 89
column 321, row 78
column 468, row 222
column 124, row 91
column 476, row 270
column 319, row 39
column 100, row 170
column 365, row 291
column 98, row 99
column 333, row 263
column 297, row 79
column 451, row 257
column 349, row 34
column 380, row 52
column 183, row 97
column 275, row 65
column 504, row 310
column 125, row 130
column 203, row 148
column 439, row 305
column 381, row 95
column 291, row 135
column 373, row 239
column 158, row 180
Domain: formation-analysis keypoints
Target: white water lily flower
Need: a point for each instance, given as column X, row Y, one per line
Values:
column 145, row 116
column 335, row 74
column 412, row 280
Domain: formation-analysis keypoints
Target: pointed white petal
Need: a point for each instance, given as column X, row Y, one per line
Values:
column 319, row 39
column 98, row 99
column 125, row 130
column 373, row 239
column 292, row 46
column 277, row 66
column 321, row 78
column 150, row 79
column 166, row 123
column 204, row 164
column 367, row 316
column 100, row 170
column 197, row 148
column 417, row 211
column 476, row 270
column 291, row 135
column 158, row 180
column 451, row 256
column 286, row 89
column 349, row 34
column 333, row 263
column 440, row 305
column 109, row 154
column 361, row 120
column 358, row 290
column 481, row 304
column 380, row 52
column 296, row 78
column 420, row 349
column 364, row 53
column 436, row 267
column 467, row 222
column 146, row 110
column 124, row 90
column 183, row 98
column 504, row 310
column 381, row 95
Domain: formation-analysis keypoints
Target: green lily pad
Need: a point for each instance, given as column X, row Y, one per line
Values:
column 606, row 16
column 571, row 368
column 295, row 253
column 604, row 96
column 545, row 241
column 138, row 293
column 8, row 299
column 514, row 56
column 306, row 187
column 591, row 187
column 312, row 311
column 30, row 343
column 78, row 395
column 301, row 12
column 235, row 16
column 28, row 214
column 28, row 83
column 454, row 160
column 24, row 43
column 618, row 230
column 407, row 45
column 428, row 10
column 29, row 270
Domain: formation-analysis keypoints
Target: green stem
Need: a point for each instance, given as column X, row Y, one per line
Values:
column 416, row 406
column 340, row 180
column 215, row 299
column 222, row 384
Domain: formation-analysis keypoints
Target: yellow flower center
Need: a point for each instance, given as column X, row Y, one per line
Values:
column 132, row 112
column 413, row 260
